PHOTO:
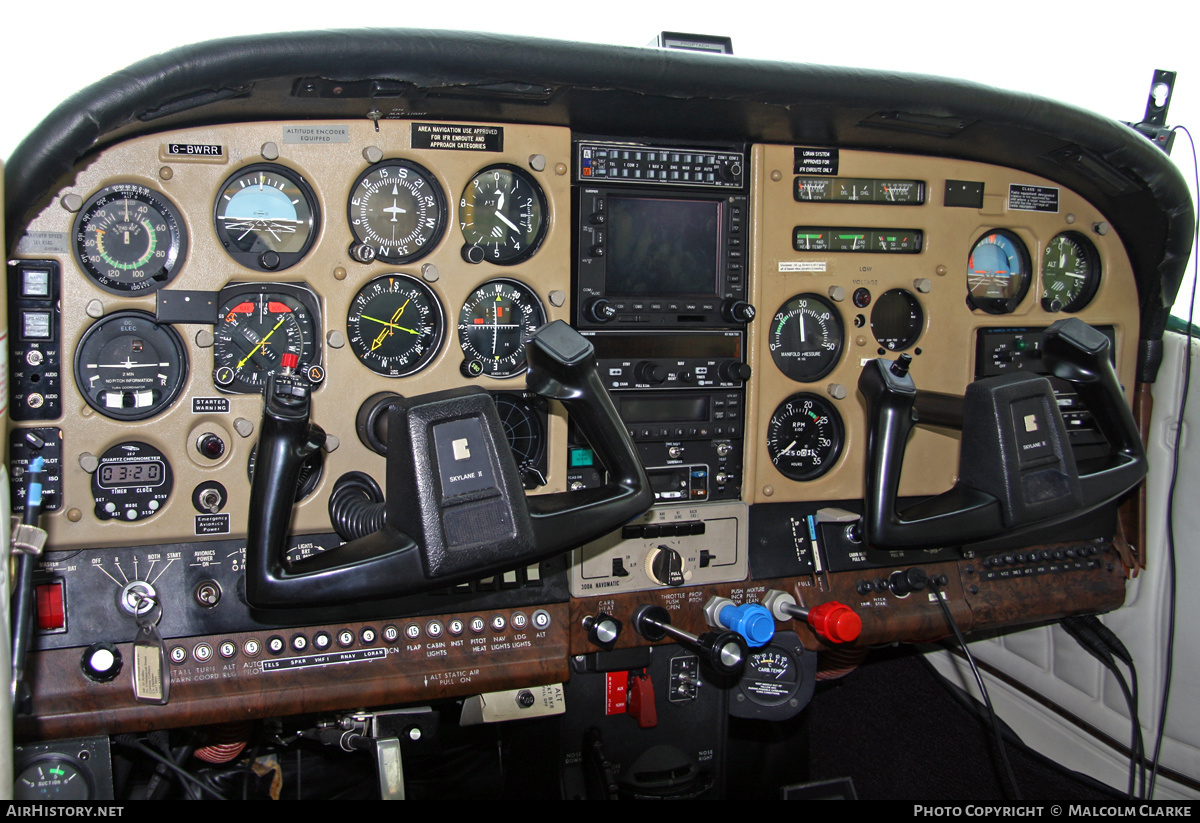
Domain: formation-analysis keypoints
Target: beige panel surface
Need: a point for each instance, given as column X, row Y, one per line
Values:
column 944, row 354
column 331, row 169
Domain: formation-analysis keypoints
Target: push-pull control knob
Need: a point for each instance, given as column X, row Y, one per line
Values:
column 737, row 311
column 750, row 620
column 664, row 566
column 725, row 651
column 602, row 630
column 832, row 621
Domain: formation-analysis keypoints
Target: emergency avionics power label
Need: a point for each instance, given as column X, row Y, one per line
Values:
column 465, row 137
column 1032, row 198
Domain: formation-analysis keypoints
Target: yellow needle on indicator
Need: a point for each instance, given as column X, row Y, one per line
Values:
column 388, row 326
column 261, row 343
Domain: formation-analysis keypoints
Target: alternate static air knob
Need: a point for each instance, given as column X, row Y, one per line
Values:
column 750, row 620
column 832, row 621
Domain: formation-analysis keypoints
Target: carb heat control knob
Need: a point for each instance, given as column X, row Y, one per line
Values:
column 664, row 566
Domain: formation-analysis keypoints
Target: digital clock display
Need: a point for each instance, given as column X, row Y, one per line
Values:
column 124, row 475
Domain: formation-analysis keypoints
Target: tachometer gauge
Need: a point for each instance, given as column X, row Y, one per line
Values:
column 804, row 436
column 266, row 217
column 493, row 324
column 1070, row 272
column 897, row 319
column 397, row 209
column 258, row 324
column 395, row 325
column 806, row 337
column 129, row 239
column 128, row 367
column 503, row 216
column 998, row 272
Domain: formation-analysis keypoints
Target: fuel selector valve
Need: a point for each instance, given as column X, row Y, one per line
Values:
column 725, row 651
column 752, row 621
column 832, row 621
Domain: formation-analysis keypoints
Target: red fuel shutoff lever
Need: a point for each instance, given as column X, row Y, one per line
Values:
column 832, row 621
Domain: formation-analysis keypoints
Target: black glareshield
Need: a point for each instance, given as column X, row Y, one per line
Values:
column 456, row 509
column 1020, row 474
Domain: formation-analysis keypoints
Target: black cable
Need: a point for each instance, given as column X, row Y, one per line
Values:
column 131, row 742
column 1109, row 638
column 1170, row 558
column 1012, row 790
column 1091, row 642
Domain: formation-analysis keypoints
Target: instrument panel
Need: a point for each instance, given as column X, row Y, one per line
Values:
column 366, row 264
column 176, row 271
